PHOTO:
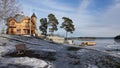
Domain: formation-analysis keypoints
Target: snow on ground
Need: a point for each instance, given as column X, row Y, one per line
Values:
column 44, row 54
column 8, row 46
column 33, row 62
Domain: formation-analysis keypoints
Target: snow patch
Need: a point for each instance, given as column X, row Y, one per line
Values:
column 6, row 49
column 36, row 63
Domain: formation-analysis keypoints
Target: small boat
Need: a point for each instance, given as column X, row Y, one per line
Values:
column 88, row 43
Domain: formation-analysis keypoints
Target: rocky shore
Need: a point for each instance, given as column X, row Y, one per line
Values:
column 45, row 54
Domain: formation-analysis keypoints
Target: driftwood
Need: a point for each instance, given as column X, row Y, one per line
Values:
column 21, row 48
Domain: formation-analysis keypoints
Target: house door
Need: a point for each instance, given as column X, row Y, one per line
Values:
column 12, row 31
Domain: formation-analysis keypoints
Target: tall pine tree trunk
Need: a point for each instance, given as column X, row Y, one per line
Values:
column 66, row 34
column 52, row 33
column 65, row 41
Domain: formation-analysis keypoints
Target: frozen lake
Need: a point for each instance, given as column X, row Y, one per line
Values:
column 102, row 44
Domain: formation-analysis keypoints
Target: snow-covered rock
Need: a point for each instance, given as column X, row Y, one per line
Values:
column 33, row 62
column 64, row 56
column 6, row 49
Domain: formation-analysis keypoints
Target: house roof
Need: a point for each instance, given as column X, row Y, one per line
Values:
column 33, row 15
column 19, row 17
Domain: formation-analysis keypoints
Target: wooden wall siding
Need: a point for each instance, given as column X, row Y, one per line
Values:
column 23, row 27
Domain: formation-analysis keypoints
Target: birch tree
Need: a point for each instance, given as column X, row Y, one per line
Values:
column 8, row 8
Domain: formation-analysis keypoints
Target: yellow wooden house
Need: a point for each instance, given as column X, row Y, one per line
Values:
column 22, row 25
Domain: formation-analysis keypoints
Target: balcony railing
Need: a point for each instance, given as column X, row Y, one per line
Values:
column 13, row 26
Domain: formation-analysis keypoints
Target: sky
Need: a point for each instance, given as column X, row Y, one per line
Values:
column 91, row 18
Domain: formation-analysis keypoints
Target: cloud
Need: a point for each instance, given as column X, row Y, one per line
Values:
column 51, row 4
column 112, row 15
column 84, row 5
column 103, row 24
column 57, row 5
column 111, row 20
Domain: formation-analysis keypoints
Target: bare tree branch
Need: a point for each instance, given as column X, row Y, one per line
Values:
column 8, row 8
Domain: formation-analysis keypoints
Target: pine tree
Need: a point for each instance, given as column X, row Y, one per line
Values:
column 53, row 22
column 43, row 27
column 67, row 25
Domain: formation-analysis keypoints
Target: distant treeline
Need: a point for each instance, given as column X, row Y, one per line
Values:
column 104, row 37
column 93, row 38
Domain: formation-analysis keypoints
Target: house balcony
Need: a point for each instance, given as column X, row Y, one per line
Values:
column 12, row 26
column 26, row 27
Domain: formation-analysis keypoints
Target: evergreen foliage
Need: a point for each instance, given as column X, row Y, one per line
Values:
column 43, row 27
column 117, row 39
column 53, row 22
column 68, row 25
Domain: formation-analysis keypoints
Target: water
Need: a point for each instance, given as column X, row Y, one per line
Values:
column 102, row 44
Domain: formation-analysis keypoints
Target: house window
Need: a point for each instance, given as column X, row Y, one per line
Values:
column 27, row 24
column 33, row 23
column 18, row 30
column 12, row 31
column 24, row 31
column 12, row 23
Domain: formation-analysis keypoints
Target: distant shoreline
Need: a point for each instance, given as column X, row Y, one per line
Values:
column 92, row 38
